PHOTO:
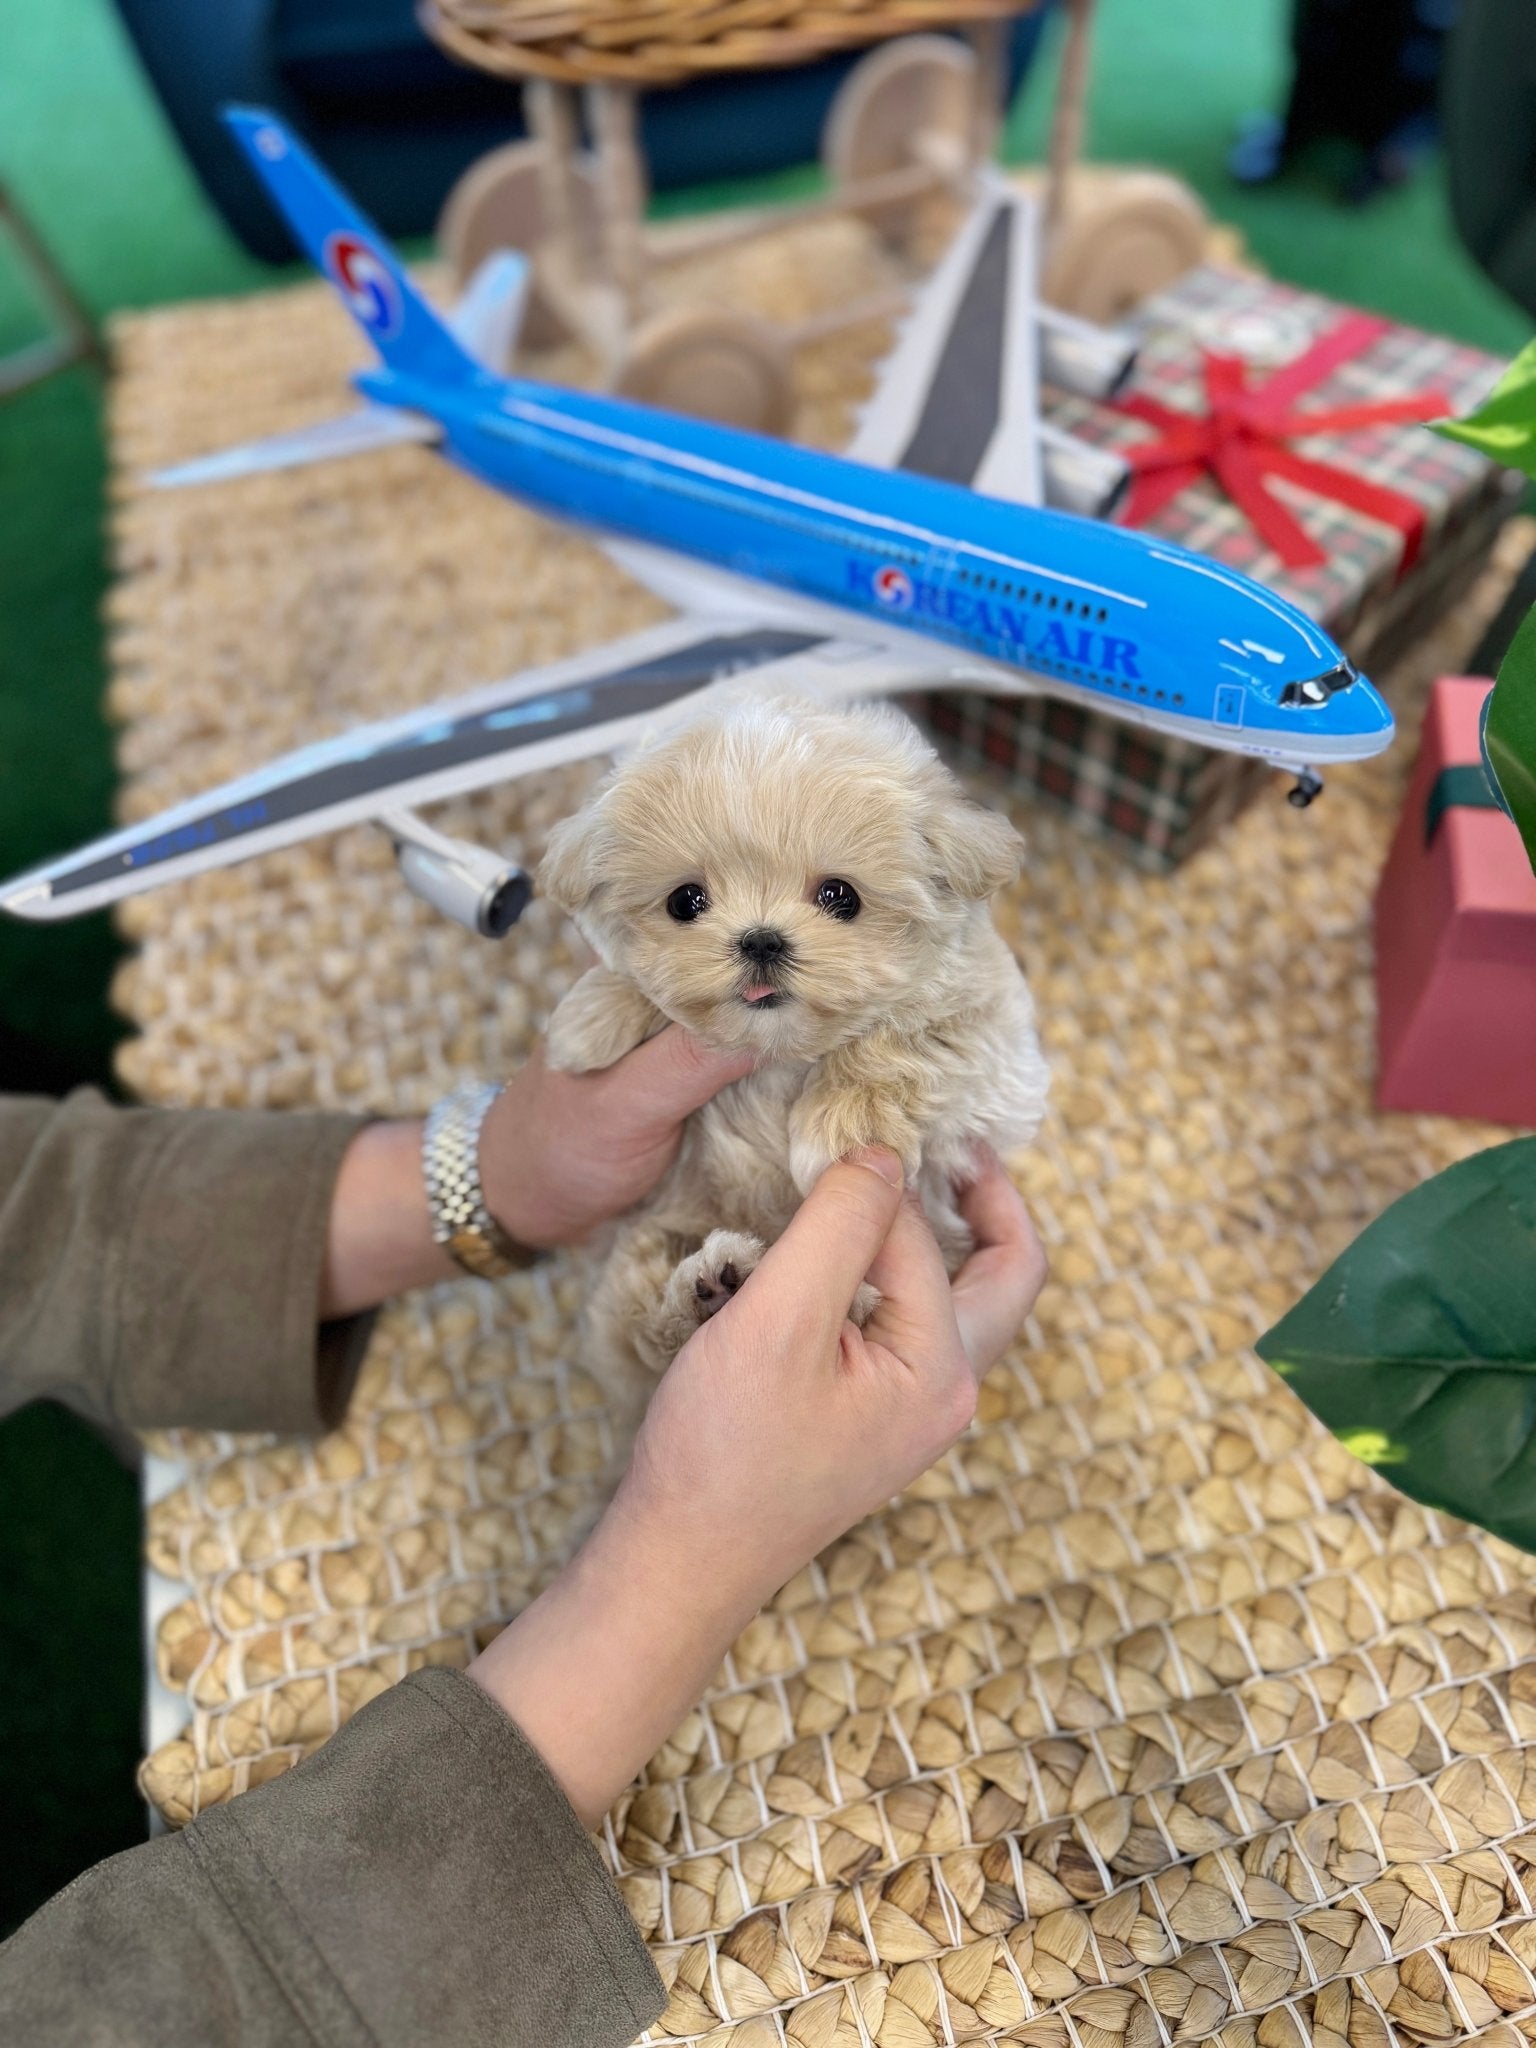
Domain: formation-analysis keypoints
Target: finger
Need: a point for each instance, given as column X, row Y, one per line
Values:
column 910, row 1251
column 675, row 1073
column 1000, row 1282
column 815, row 1268
column 993, row 1206
column 916, row 1316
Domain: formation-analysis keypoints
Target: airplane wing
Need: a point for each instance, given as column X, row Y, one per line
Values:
column 959, row 396
column 568, row 711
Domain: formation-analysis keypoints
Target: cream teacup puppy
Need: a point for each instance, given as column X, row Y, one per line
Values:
column 811, row 884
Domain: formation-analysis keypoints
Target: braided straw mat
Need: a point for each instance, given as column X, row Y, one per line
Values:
column 1147, row 1715
column 663, row 42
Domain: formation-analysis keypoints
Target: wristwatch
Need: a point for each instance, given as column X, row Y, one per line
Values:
column 450, row 1167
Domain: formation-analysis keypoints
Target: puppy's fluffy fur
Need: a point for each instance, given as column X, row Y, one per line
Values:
column 907, row 1024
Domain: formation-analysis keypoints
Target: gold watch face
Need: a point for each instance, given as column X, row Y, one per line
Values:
column 478, row 1255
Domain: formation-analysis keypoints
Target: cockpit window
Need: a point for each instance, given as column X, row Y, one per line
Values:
column 1316, row 690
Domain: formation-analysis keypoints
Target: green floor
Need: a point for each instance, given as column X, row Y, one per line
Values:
column 83, row 146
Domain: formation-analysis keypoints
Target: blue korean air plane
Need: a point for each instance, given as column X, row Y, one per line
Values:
column 935, row 552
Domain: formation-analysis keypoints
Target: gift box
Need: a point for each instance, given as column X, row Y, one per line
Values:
column 1456, row 934
column 1335, row 494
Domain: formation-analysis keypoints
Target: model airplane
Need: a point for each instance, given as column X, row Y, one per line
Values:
column 947, row 546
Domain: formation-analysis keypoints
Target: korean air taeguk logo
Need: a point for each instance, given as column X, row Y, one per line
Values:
column 893, row 587
column 365, row 283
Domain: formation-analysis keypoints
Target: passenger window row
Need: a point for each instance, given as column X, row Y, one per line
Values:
column 999, row 586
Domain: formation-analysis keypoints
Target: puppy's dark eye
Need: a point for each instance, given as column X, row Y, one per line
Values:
column 687, row 903
column 838, row 899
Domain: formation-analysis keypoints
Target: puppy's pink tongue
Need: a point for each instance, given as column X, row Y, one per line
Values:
column 757, row 991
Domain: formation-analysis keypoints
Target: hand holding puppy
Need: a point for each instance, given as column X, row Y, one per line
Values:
column 780, row 1424
column 562, row 1153
column 776, row 1428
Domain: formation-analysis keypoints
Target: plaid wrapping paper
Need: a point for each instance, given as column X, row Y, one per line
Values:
column 1157, row 798
column 1270, row 324
column 1160, row 798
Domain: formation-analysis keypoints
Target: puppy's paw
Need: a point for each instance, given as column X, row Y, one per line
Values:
column 597, row 1022
column 865, row 1302
column 717, row 1270
column 700, row 1286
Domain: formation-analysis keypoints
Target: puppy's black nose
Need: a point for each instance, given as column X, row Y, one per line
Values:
column 762, row 945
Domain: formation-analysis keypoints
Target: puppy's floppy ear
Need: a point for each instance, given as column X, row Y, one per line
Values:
column 571, row 870
column 976, row 851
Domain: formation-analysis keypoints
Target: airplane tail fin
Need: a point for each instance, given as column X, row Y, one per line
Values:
column 408, row 334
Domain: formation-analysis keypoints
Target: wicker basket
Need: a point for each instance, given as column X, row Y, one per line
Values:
column 663, row 42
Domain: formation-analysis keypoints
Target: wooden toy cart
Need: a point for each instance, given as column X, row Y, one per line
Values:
column 912, row 122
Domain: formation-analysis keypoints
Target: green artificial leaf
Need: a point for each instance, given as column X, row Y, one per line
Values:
column 1509, row 733
column 1504, row 426
column 1417, row 1348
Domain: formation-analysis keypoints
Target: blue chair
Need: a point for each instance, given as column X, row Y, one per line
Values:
column 398, row 123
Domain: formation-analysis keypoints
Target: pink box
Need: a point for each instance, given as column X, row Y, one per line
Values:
column 1456, row 935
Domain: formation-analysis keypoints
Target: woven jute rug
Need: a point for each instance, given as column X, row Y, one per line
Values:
column 1148, row 1715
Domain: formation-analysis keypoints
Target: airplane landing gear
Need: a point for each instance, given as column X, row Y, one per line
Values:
column 1309, row 786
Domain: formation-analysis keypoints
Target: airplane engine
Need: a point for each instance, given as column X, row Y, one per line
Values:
column 1092, row 361
column 1079, row 477
column 470, row 884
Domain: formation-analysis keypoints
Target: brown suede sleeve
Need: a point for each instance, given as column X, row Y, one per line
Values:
column 163, row 1266
column 420, row 1879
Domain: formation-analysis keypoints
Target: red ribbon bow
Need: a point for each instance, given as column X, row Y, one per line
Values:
column 1240, row 441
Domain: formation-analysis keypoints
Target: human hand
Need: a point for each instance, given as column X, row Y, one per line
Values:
column 780, row 1423
column 561, row 1153
column 777, row 1426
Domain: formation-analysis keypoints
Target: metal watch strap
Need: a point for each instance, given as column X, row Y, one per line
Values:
column 450, row 1167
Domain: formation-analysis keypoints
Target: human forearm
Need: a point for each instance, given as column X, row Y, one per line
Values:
column 606, row 1663
column 777, row 1426
column 379, row 1238
column 190, row 1266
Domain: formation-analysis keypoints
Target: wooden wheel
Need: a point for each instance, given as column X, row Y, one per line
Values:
column 908, row 105
column 498, row 203
column 713, row 363
column 1122, row 236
